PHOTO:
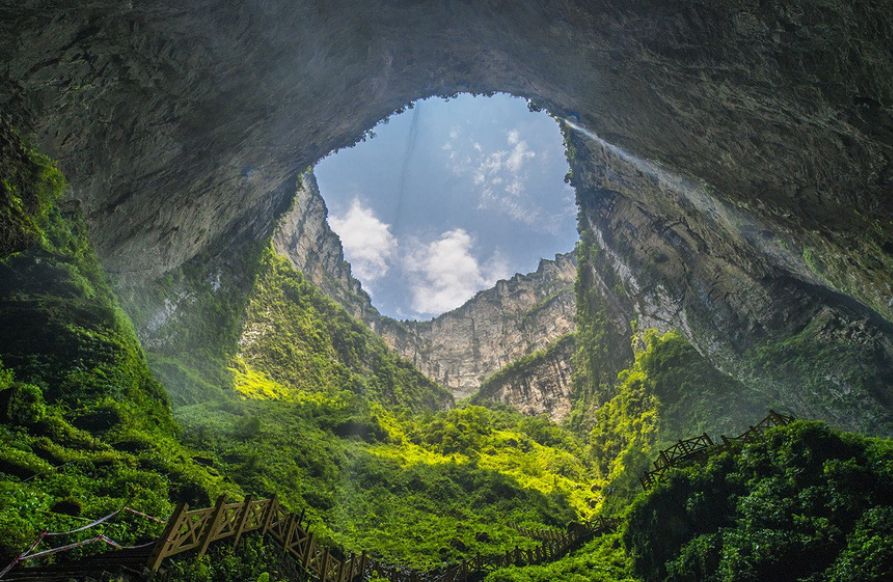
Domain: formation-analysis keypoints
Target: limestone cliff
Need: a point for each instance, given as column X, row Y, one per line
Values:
column 305, row 238
column 517, row 317
column 673, row 255
column 457, row 349
column 539, row 383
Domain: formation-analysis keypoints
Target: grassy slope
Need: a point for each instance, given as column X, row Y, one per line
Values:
column 84, row 427
column 305, row 341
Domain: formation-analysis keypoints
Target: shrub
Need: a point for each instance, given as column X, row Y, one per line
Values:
column 24, row 404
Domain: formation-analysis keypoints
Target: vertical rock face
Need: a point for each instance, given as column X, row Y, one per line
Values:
column 515, row 318
column 305, row 238
column 540, row 383
column 458, row 349
column 746, row 295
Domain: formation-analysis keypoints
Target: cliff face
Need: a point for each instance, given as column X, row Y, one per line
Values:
column 306, row 240
column 538, row 383
column 457, row 349
column 673, row 255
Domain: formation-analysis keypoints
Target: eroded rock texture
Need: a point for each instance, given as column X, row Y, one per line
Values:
column 184, row 125
column 517, row 317
column 675, row 256
column 303, row 236
column 540, row 383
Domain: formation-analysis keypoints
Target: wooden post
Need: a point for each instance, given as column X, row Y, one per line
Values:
column 158, row 552
column 243, row 519
column 349, row 576
column 363, row 561
column 211, row 525
column 339, row 568
column 308, row 549
column 290, row 528
column 301, row 518
column 323, row 576
column 268, row 515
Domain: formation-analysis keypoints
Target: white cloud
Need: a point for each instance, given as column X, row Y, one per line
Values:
column 515, row 187
column 368, row 242
column 518, row 156
column 499, row 176
column 445, row 274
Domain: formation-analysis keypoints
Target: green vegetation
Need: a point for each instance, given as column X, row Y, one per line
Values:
column 602, row 346
column 29, row 187
column 804, row 503
column 323, row 415
column 84, row 428
column 192, row 319
column 417, row 490
column 604, row 559
column 843, row 369
column 669, row 392
column 254, row 560
column 302, row 339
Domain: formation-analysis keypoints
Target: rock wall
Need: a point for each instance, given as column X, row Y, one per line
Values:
column 540, row 383
column 676, row 256
column 303, row 236
column 526, row 313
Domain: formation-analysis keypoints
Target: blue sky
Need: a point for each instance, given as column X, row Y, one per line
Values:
column 448, row 198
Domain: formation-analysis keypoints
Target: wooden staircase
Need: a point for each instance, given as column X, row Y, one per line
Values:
column 194, row 531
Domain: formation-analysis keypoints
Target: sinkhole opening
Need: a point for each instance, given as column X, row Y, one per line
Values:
column 447, row 197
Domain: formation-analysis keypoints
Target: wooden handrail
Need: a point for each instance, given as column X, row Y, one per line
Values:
column 701, row 446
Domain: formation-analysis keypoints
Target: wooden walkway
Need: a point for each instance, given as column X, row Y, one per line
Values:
column 194, row 531
column 699, row 447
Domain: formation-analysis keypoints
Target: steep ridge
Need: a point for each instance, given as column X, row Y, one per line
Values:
column 496, row 327
column 313, row 248
column 458, row 349
column 669, row 253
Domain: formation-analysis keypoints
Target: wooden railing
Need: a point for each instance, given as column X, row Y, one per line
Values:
column 699, row 447
column 196, row 529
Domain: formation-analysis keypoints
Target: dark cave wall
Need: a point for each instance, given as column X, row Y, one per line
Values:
column 182, row 129
column 174, row 123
